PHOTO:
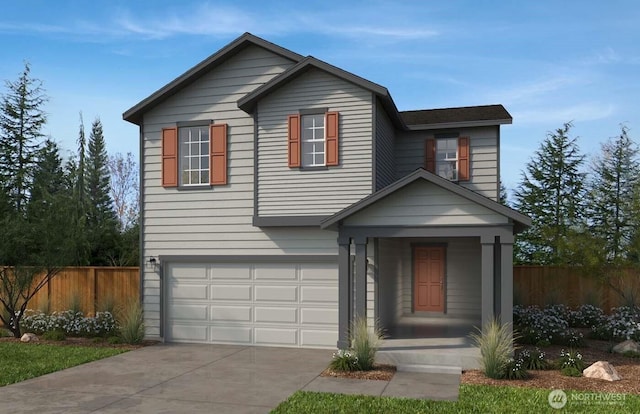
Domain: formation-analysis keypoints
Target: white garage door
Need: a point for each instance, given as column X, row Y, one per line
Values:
column 276, row 304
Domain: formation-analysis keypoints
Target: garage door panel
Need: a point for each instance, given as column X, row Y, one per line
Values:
column 195, row 333
column 189, row 312
column 275, row 272
column 236, row 335
column 324, row 294
column 231, row 271
column 323, row 272
column 276, row 315
column 188, row 271
column 275, row 336
column 231, row 313
column 319, row 316
column 322, row 338
column 230, row 292
column 180, row 291
column 277, row 293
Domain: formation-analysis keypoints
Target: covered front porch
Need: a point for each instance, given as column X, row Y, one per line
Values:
column 429, row 261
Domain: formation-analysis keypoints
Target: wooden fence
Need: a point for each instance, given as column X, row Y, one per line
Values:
column 91, row 285
column 573, row 286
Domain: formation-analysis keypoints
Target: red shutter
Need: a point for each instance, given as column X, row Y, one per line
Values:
column 170, row 157
column 332, row 128
column 430, row 155
column 294, row 140
column 463, row 159
column 218, row 154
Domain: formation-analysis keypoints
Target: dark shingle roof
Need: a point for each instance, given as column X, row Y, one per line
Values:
column 456, row 115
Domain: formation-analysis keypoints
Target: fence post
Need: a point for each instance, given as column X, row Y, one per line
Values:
column 92, row 277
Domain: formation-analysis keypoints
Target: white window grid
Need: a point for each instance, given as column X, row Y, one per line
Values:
column 447, row 158
column 313, row 145
column 194, row 157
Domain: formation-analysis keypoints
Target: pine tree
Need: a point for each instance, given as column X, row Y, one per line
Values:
column 503, row 197
column 102, row 224
column 21, row 120
column 551, row 193
column 612, row 215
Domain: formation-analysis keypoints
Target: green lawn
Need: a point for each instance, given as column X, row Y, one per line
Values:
column 19, row 362
column 472, row 399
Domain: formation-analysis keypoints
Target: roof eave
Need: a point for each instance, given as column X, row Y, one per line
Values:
column 464, row 124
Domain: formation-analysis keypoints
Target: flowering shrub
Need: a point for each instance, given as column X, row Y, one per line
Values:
column 70, row 322
column 515, row 369
column 571, row 363
column 344, row 361
column 533, row 359
column 586, row 316
column 541, row 326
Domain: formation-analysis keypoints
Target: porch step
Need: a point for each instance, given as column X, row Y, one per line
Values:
column 429, row 369
column 461, row 359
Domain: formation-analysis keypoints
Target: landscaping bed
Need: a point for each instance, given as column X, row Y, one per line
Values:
column 380, row 372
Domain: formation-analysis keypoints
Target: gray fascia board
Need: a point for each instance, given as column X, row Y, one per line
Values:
column 428, row 231
column 465, row 124
column 247, row 102
column 439, row 181
column 288, row 221
column 134, row 113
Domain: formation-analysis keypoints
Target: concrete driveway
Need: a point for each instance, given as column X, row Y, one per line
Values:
column 172, row 379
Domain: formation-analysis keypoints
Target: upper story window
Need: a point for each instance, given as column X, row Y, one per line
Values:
column 194, row 155
column 448, row 157
column 313, row 140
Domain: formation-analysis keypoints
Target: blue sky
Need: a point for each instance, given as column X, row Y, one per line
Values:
column 548, row 62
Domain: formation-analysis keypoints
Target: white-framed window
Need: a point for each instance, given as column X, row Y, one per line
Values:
column 313, row 140
column 193, row 149
column 447, row 158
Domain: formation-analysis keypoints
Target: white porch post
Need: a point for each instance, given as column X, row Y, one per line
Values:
column 487, row 275
column 506, row 267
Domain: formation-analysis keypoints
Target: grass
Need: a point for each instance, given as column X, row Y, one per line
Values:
column 19, row 362
column 472, row 399
column 495, row 341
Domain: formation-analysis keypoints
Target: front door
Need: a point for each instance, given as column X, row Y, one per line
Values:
column 428, row 276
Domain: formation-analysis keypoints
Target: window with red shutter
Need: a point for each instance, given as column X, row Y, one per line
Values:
column 313, row 139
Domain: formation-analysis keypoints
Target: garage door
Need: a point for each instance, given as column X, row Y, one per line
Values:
column 276, row 304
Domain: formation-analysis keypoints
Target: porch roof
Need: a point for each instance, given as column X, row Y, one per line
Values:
column 519, row 220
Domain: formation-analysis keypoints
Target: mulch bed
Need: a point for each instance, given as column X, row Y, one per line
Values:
column 380, row 372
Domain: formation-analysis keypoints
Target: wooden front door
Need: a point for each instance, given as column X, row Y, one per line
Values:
column 428, row 276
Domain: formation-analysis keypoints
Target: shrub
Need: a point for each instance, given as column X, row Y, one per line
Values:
column 495, row 341
column 108, row 304
column 571, row 359
column 586, row 316
column 541, row 325
column 534, row 359
column 114, row 340
column 74, row 302
column 344, row 361
column 365, row 343
column 69, row 322
column 56, row 335
column 622, row 324
column 571, row 338
column 515, row 370
column 571, row 372
column 131, row 323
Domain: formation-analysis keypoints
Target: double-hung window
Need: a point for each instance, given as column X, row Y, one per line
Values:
column 447, row 158
column 447, row 155
column 313, row 141
column 194, row 155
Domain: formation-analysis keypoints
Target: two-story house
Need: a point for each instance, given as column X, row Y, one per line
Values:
column 283, row 196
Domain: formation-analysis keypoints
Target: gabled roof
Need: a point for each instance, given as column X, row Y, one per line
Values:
column 520, row 220
column 445, row 117
column 247, row 103
column 134, row 114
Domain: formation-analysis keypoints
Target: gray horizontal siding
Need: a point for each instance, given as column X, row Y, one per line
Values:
column 410, row 155
column 385, row 157
column 291, row 191
column 216, row 220
column 423, row 203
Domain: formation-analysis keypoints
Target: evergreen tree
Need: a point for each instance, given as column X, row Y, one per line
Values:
column 612, row 215
column 551, row 193
column 48, row 177
column 503, row 197
column 21, row 120
column 102, row 224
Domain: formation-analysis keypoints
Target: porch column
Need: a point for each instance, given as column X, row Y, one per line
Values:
column 345, row 291
column 361, row 277
column 506, row 267
column 487, row 269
